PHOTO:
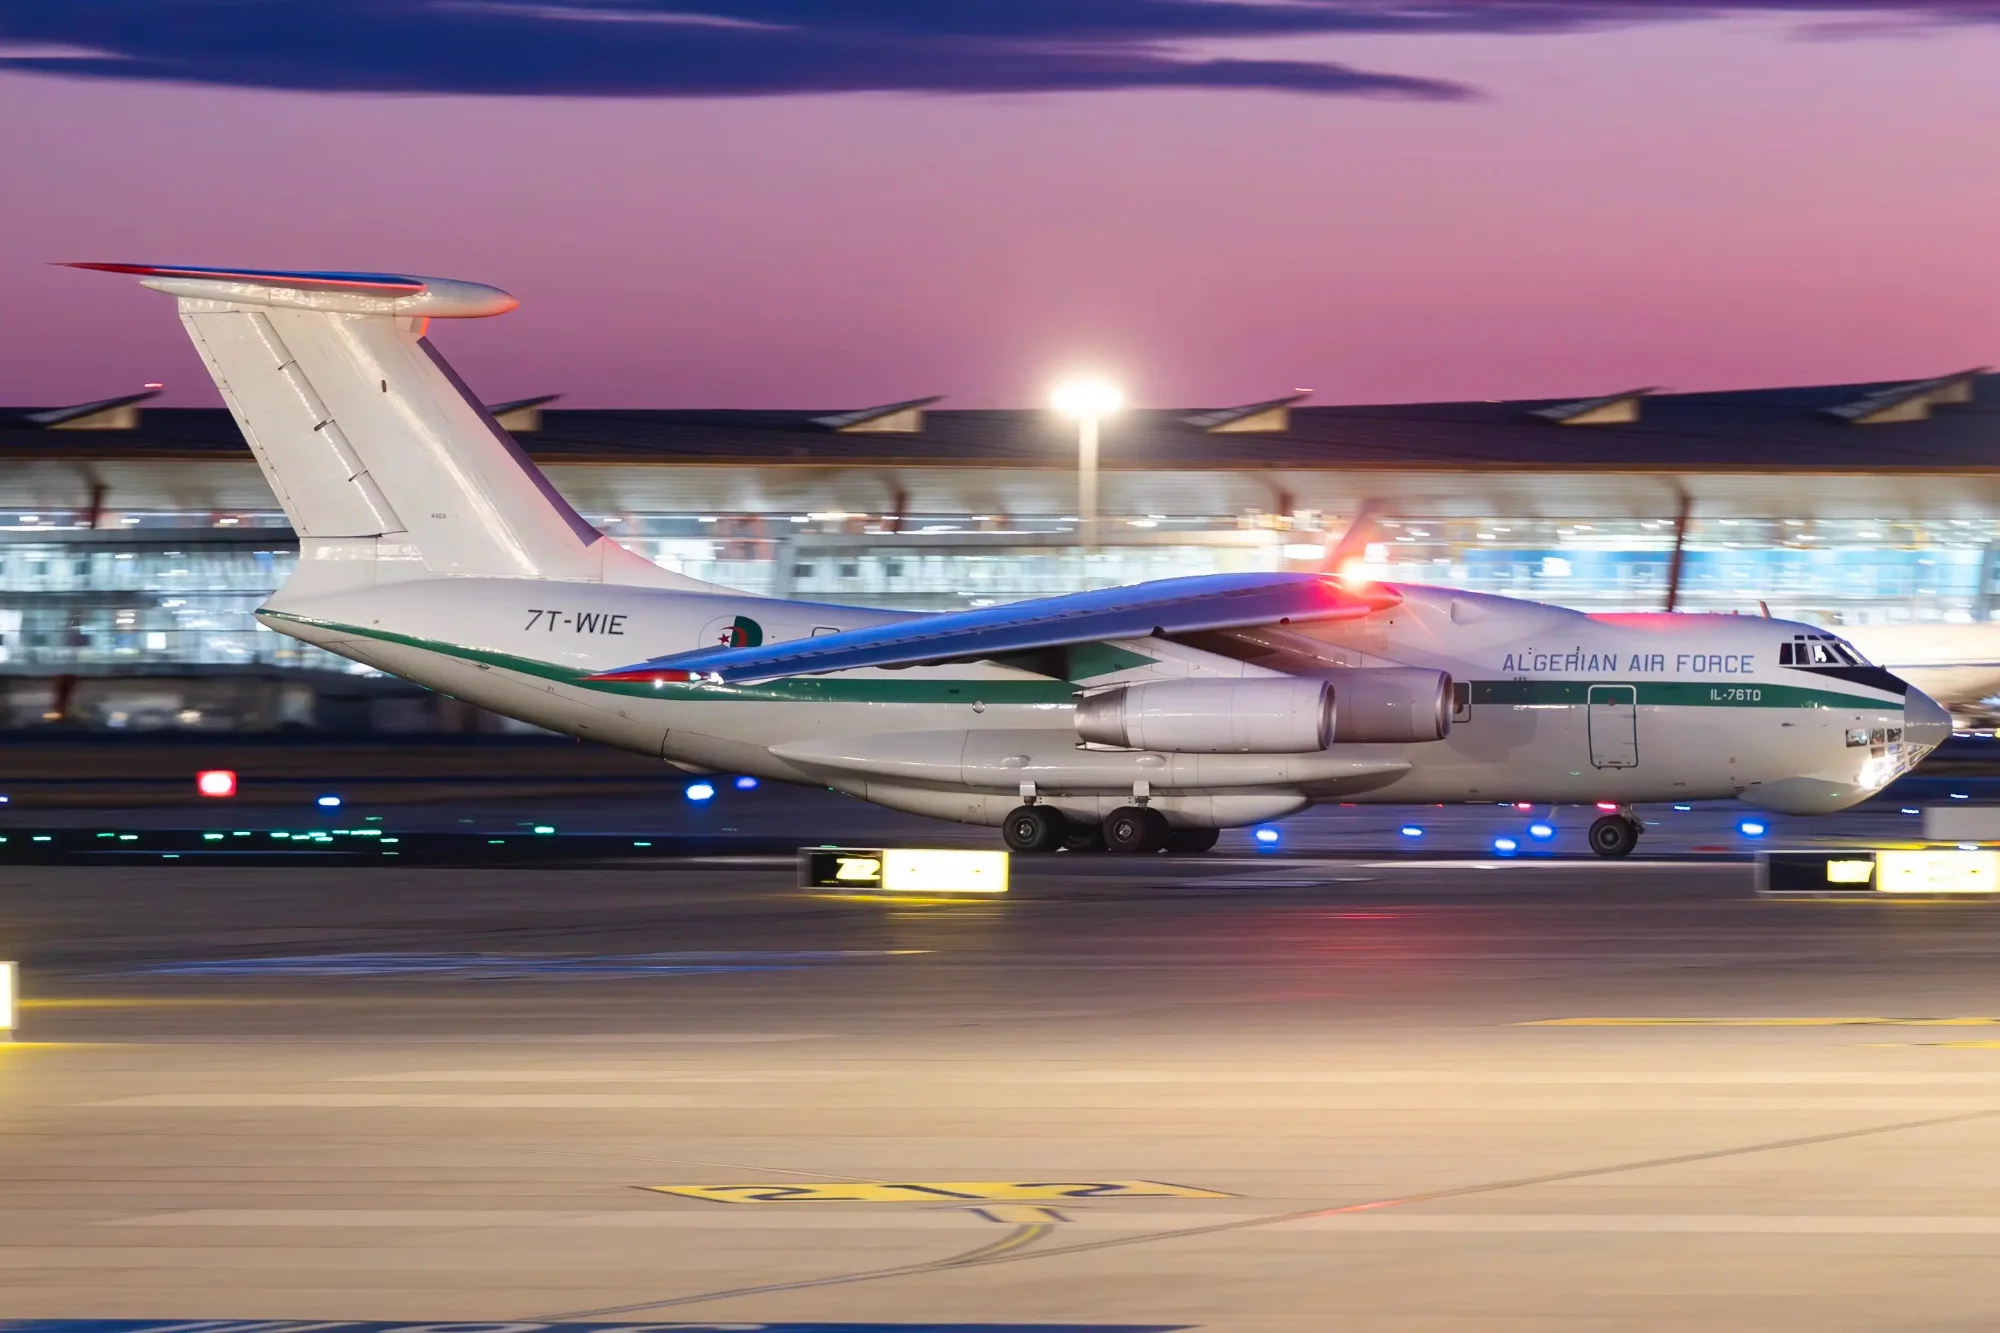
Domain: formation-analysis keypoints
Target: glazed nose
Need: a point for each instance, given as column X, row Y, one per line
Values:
column 1925, row 722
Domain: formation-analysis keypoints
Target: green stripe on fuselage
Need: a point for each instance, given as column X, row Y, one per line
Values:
column 1671, row 694
column 933, row 690
column 796, row 689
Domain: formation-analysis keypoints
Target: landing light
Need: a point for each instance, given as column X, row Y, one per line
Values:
column 1541, row 832
column 746, row 783
column 1087, row 398
column 329, row 802
column 1268, row 837
column 1751, row 828
column 700, row 791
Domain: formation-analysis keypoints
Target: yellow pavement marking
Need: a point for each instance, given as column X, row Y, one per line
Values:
column 1760, row 1022
column 1020, row 1214
column 974, row 1191
column 1936, row 1045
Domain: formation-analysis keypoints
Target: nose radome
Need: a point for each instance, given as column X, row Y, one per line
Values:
column 1925, row 721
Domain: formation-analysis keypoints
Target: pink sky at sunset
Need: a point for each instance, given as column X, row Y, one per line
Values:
column 1707, row 204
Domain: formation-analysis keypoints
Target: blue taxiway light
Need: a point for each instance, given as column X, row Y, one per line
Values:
column 1911, row 810
column 1505, row 845
column 746, row 783
column 1412, row 831
column 700, row 791
column 1751, row 828
column 329, row 802
column 1267, row 836
column 1683, row 807
column 1961, row 796
column 1541, row 832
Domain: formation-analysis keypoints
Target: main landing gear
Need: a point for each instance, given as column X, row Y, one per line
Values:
column 1032, row 829
column 1615, row 835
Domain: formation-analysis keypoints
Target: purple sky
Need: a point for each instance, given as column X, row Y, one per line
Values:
column 1766, row 199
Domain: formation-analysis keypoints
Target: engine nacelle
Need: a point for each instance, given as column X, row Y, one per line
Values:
column 1270, row 714
column 1263, row 715
column 1390, row 705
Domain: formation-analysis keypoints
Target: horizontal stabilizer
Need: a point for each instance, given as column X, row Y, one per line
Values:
column 1168, row 606
column 334, row 293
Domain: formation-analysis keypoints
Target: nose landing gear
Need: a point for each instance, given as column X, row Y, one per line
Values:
column 1615, row 835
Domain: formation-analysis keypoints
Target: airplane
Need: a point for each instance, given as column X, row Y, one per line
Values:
column 1131, row 719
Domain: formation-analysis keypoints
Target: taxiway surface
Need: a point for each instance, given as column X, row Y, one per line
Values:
column 1278, row 1094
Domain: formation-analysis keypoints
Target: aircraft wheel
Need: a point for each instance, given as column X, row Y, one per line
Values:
column 1134, row 828
column 1192, row 839
column 1614, row 835
column 1035, row 828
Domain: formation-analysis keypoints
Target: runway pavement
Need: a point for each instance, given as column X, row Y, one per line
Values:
column 1225, row 1093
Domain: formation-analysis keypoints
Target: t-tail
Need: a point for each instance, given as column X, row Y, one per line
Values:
column 387, row 466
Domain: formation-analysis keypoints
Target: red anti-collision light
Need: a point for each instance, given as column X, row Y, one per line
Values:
column 216, row 782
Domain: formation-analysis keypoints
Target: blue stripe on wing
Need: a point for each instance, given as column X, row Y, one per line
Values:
column 1168, row 606
column 368, row 282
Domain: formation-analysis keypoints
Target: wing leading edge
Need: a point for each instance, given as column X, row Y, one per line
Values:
column 1168, row 606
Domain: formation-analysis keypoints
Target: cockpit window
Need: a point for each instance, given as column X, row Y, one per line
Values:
column 1818, row 650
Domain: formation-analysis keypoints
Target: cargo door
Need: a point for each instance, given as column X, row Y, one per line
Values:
column 1612, row 714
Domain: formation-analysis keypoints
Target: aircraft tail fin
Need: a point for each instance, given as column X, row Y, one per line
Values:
column 380, row 455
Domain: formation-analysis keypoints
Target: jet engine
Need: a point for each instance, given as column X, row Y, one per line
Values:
column 1270, row 714
column 1265, row 715
column 1390, row 705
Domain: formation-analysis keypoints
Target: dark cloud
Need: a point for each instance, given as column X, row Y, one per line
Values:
column 752, row 48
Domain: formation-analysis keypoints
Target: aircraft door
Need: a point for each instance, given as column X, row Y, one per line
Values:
column 1612, row 714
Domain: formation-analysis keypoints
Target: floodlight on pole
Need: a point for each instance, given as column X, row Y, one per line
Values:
column 1089, row 401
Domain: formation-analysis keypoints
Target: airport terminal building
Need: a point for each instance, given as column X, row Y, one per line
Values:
column 137, row 541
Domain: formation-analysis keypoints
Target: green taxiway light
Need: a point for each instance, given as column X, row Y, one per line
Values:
column 211, row 837
column 545, row 828
column 642, row 844
column 43, row 837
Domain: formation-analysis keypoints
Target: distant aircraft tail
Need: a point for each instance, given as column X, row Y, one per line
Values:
column 385, row 463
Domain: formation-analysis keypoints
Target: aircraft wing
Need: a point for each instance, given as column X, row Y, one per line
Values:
column 1168, row 606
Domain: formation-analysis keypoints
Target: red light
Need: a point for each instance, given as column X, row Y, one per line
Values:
column 1608, row 807
column 216, row 782
column 1522, row 805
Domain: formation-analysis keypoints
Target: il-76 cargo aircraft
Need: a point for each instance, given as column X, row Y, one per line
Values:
column 1134, row 719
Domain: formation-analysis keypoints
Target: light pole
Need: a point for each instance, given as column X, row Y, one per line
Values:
column 1089, row 401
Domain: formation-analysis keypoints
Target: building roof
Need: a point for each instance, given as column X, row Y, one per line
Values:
column 1755, row 430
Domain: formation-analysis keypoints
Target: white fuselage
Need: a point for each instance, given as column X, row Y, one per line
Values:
column 1555, row 706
